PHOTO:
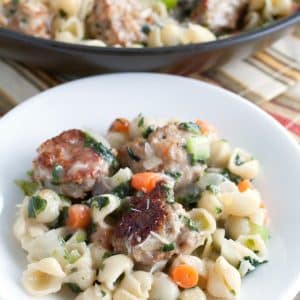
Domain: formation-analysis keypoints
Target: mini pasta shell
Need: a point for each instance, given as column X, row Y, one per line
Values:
column 224, row 280
column 44, row 277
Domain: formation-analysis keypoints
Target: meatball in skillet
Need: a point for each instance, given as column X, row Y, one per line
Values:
column 219, row 16
column 71, row 163
column 117, row 22
column 27, row 16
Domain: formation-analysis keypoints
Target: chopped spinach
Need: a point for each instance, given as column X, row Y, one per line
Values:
column 255, row 263
column 62, row 13
column 132, row 155
column 168, row 247
column 106, row 254
column 146, row 29
column 213, row 189
column 36, row 205
column 71, row 256
column 28, row 187
column 57, row 173
column 123, row 190
column 174, row 175
column 190, row 126
column 141, row 121
column 169, row 193
column 61, row 220
column 103, row 293
column 74, row 287
column 148, row 131
column 232, row 177
column 190, row 223
column 190, row 199
column 99, row 201
column 238, row 161
column 219, row 210
column 100, row 149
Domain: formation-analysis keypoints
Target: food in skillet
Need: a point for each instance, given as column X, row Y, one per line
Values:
column 157, row 210
column 139, row 23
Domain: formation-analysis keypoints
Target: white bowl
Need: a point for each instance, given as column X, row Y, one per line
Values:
column 95, row 102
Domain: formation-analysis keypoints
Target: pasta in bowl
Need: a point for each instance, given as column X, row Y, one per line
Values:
column 139, row 23
column 156, row 209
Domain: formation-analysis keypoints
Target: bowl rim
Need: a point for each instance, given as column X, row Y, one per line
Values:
column 244, row 37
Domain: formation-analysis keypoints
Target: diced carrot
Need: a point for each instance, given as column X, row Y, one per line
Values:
column 205, row 127
column 244, row 185
column 145, row 182
column 120, row 125
column 79, row 216
column 185, row 276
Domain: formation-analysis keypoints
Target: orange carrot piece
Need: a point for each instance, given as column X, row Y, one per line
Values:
column 244, row 185
column 185, row 276
column 120, row 125
column 79, row 216
column 205, row 128
column 145, row 182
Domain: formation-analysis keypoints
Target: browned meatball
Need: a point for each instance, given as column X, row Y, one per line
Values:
column 117, row 22
column 29, row 17
column 219, row 15
column 165, row 146
column 66, row 163
column 151, row 230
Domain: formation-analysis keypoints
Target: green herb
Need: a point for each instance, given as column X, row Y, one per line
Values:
column 254, row 262
column 232, row 177
column 148, row 131
column 100, row 149
column 233, row 292
column 29, row 188
column 61, row 220
column 103, row 293
column 62, row 13
column 99, row 201
column 168, row 247
column 132, row 155
column 92, row 228
column 169, row 193
column 36, row 205
column 238, row 161
column 218, row 210
column 74, row 287
column 29, row 173
column 141, row 122
column 174, row 175
column 57, row 172
column 106, row 254
column 16, row 2
column 190, row 199
column 122, row 190
column 213, row 189
column 190, row 126
column 146, row 29
column 190, row 223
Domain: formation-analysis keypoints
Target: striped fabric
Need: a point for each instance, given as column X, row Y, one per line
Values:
column 276, row 87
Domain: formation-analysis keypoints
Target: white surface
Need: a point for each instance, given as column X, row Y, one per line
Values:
column 95, row 102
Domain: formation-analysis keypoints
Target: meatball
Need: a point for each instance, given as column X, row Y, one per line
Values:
column 29, row 17
column 117, row 22
column 219, row 15
column 151, row 230
column 68, row 165
column 163, row 151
